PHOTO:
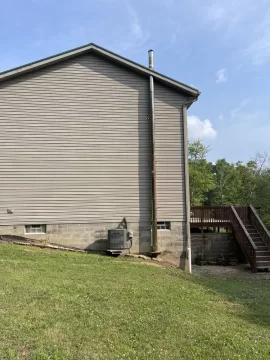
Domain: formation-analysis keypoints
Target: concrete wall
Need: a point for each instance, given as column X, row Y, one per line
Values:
column 213, row 244
column 93, row 237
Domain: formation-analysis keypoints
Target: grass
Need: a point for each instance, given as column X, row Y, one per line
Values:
column 68, row 306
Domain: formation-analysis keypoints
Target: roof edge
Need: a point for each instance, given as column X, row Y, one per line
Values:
column 17, row 71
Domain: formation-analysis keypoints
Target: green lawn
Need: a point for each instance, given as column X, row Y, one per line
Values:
column 56, row 305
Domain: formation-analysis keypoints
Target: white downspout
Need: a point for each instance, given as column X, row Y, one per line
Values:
column 189, row 266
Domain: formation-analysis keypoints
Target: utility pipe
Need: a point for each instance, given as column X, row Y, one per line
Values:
column 155, row 251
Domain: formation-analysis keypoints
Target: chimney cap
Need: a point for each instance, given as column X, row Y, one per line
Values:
column 151, row 59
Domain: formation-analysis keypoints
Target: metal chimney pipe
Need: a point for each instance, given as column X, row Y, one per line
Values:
column 155, row 251
column 151, row 59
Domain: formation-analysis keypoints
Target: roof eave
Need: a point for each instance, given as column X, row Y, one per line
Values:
column 110, row 55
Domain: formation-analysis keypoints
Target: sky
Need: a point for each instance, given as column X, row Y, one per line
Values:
column 221, row 47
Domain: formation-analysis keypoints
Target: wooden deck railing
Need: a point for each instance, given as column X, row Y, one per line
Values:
column 243, row 238
column 210, row 215
column 257, row 222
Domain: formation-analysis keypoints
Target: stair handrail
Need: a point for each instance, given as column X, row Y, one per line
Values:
column 244, row 239
column 243, row 227
column 265, row 234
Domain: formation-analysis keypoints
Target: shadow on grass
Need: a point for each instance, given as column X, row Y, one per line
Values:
column 248, row 299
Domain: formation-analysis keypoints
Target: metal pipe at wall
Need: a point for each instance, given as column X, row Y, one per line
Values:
column 189, row 266
column 154, row 187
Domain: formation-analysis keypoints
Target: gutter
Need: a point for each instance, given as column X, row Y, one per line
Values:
column 186, row 105
column 188, row 265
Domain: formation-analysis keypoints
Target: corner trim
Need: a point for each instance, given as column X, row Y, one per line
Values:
column 187, row 191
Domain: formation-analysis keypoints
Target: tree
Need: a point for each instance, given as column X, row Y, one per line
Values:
column 201, row 178
column 226, row 183
column 249, row 176
column 262, row 196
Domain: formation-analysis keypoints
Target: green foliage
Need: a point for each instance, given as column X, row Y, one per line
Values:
column 201, row 179
column 262, row 196
column 225, row 183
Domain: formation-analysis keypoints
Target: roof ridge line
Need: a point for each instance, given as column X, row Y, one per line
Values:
column 17, row 71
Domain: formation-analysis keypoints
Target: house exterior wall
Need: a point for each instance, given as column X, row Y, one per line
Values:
column 75, row 151
column 169, row 132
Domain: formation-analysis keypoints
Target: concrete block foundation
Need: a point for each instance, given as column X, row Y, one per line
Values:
column 213, row 244
column 93, row 236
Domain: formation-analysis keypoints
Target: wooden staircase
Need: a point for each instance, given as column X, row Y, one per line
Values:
column 260, row 237
column 248, row 229
column 262, row 252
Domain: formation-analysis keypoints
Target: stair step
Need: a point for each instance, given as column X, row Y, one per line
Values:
column 262, row 258
column 263, row 264
column 263, row 253
column 262, row 247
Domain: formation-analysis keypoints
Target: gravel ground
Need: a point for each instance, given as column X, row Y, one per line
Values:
column 242, row 271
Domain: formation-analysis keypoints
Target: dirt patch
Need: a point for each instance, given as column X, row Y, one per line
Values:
column 161, row 262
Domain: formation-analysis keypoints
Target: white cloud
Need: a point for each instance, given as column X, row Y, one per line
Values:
column 200, row 129
column 259, row 50
column 135, row 25
column 236, row 111
column 231, row 14
column 136, row 36
column 221, row 76
column 245, row 20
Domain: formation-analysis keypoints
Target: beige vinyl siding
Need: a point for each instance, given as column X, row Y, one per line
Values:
column 75, row 146
column 170, row 154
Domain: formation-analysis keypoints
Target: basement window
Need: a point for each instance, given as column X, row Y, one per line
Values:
column 35, row 229
column 163, row 225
